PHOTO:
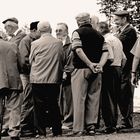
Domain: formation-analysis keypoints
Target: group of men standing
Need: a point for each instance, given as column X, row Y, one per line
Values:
column 62, row 79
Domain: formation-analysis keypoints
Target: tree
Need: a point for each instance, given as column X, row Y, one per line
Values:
column 108, row 7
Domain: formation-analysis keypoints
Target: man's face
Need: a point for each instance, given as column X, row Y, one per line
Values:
column 102, row 28
column 119, row 20
column 10, row 28
column 35, row 33
column 61, row 31
column 95, row 22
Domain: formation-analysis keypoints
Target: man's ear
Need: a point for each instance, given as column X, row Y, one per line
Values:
column 34, row 30
column 90, row 20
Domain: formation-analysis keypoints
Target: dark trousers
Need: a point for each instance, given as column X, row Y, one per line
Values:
column 126, row 99
column 2, row 104
column 27, row 114
column 111, row 83
column 46, row 109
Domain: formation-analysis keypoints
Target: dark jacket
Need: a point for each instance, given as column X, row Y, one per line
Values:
column 19, row 36
column 128, row 38
column 24, row 50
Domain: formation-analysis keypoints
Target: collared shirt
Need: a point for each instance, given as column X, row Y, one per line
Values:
column 120, row 29
column 115, row 49
column 123, row 27
column 64, row 40
column 14, row 34
column 136, row 48
column 18, row 36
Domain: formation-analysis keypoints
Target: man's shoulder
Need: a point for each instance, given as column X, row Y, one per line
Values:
column 55, row 40
column 4, row 43
column 26, row 38
column 130, row 28
column 7, row 45
column 21, row 33
column 36, row 42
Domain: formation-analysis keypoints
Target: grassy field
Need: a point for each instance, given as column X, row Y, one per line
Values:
column 121, row 136
column 133, row 134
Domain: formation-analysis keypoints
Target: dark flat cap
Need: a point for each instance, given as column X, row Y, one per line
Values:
column 121, row 13
column 13, row 19
column 33, row 25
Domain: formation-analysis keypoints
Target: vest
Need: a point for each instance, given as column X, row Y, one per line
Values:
column 92, row 44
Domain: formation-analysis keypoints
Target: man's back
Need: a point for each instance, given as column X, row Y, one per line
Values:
column 9, row 71
column 46, row 60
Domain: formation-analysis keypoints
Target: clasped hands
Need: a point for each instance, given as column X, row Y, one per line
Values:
column 96, row 68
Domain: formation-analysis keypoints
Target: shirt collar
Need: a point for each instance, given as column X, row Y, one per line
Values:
column 67, row 40
column 64, row 40
column 123, row 27
column 15, row 33
column 45, row 34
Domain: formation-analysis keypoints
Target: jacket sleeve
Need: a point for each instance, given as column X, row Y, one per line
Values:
column 24, row 52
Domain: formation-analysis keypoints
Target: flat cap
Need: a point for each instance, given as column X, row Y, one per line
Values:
column 83, row 17
column 121, row 13
column 33, row 25
column 13, row 19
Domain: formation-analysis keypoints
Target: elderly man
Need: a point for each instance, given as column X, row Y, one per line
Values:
column 66, row 102
column 127, row 34
column 111, row 78
column 13, row 31
column 27, row 121
column 14, row 35
column 10, row 85
column 46, row 59
column 87, row 45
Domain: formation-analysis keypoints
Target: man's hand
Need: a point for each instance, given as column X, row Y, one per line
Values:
column 134, row 80
column 64, row 75
column 99, row 68
column 96, row 68
column 92, row 66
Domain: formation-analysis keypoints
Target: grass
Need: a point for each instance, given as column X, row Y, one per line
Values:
column 133, row 134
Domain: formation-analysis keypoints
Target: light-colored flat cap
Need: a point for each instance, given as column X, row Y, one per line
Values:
column 121, row 13
column 43, row 26
column 83, row 18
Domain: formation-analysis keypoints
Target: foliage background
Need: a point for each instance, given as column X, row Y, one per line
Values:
column 108, row 7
